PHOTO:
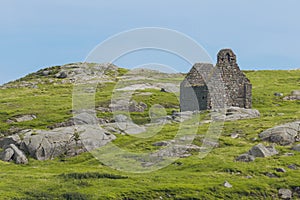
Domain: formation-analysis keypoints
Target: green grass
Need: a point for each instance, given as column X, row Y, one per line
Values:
column 84, row 177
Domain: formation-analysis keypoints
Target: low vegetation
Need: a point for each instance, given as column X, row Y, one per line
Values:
column 85, row 177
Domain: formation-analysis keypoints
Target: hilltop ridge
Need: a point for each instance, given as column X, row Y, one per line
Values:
column 42, row 101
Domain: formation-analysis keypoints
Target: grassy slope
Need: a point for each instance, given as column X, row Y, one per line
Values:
column 186, row 178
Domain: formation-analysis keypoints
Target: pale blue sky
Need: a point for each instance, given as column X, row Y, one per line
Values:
column 36, row 34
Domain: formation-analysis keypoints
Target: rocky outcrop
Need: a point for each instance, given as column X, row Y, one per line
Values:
column 44, row 144
column 177, row 150
column 22, row 118
column 181, row 147
column 236, row 113
column 61, row 75
column 124, row 105
column 124, row 128
column 285, row 134
column 261, row 150
column 245, row 158
column 7, row 154
column 69, row 73
column 18, row 156
column 295, row 95
column 258, row 150
column 13, row 139
column 83, row 118
column 137, row 107
column 13, row 153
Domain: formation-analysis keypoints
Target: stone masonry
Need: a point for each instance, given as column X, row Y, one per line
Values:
column 194, row 92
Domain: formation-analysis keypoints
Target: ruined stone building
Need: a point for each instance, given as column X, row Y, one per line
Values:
column 195, row 93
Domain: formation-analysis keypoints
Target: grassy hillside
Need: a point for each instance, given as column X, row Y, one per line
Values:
column 84, row 177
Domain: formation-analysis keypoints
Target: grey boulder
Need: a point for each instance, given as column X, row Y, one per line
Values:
column 67, row 141
column 19, row 156
column 236, row 113
column 22, row 118
column 285, row 193
column 48, row 144
column 14, row 139
column 61, row 75
column 85, row 118
column 295, row 95
column 285, row 134
column 137, row 107
column 245, row 158
column 260, row 150
column 7, row 154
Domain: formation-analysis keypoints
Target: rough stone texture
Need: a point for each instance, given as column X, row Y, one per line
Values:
column 260, row 150
column 180, row 147
column 45, row 73
column 236, row 113
column 245, row 158
column 124, row 105
column 194, row 91
column 19, row 157
column 196, row 94
column 83, row 118
column 62, row 124
column 92, row 138
column 7, row 154
column 285, row 134
column 108, row 128
column 121, row 118
column 124, row 128
column 285, row 193
column 13, row 139
column 128, row 127
column 62, row 75
column 22, row 118
column 69, row 73
column 295, row 95
column 137, row 107
column 238, row 87
column 177, row 150
column 44, row 145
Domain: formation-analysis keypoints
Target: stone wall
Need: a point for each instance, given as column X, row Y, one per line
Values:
column 194, row 98
column 196, row 90
column 238, row 87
